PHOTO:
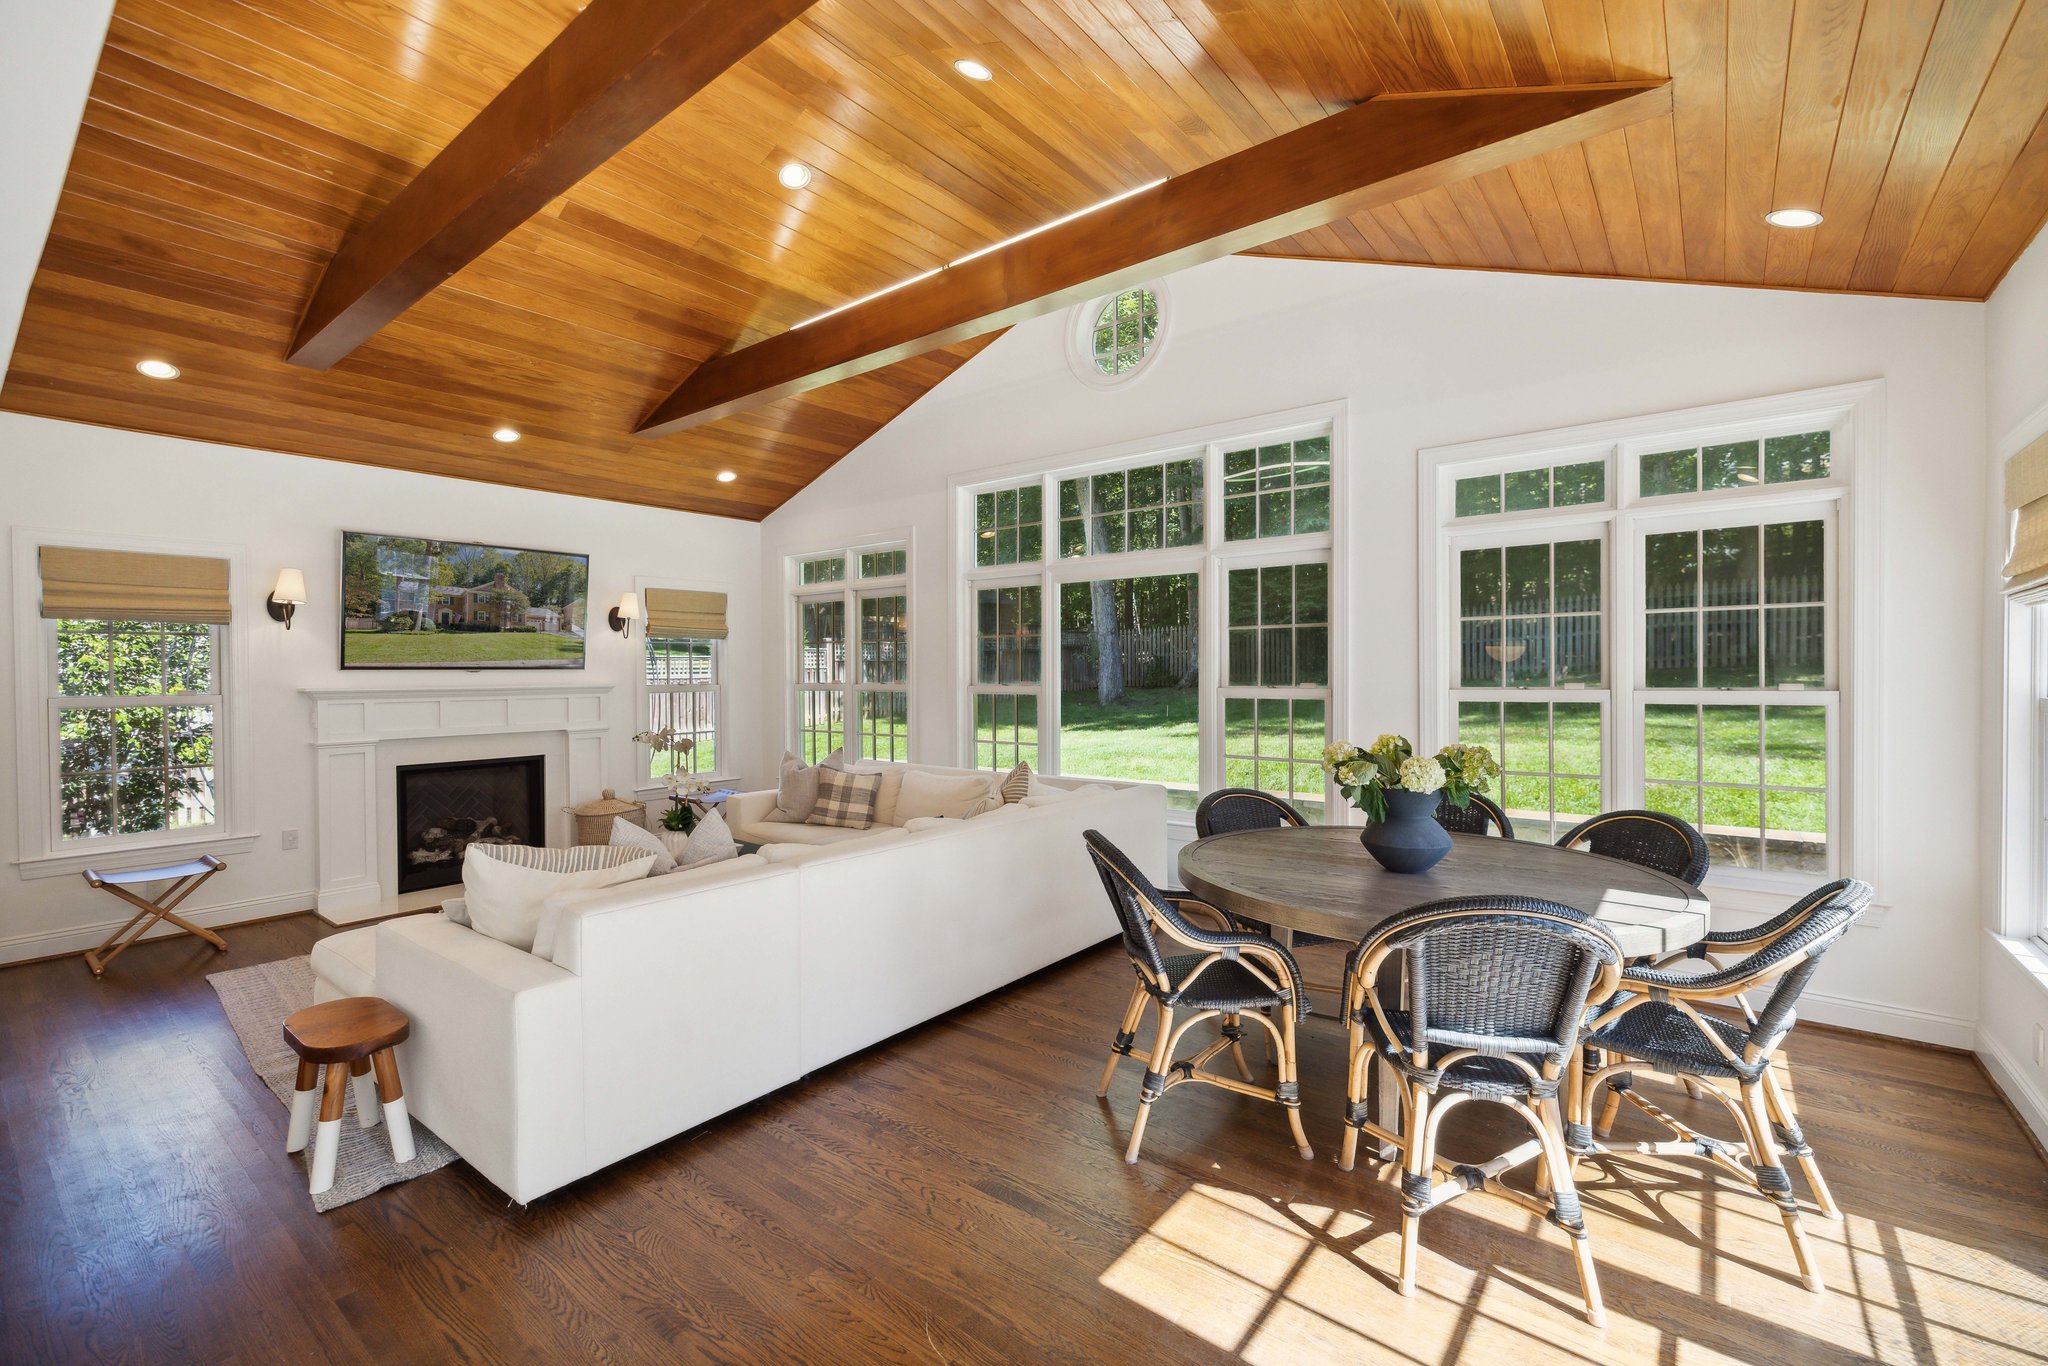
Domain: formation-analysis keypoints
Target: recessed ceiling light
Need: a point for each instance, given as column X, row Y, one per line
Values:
column 794, row 175
column 726, row 476
column 973, row 70
column 157, row 369
column 508, row 435
column 1792, row 218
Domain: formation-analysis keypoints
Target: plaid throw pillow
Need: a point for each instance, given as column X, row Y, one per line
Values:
column 845, row 799
column 1017, row 786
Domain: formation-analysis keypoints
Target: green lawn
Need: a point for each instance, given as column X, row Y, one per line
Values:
column 459, row 649
column 1152, row 736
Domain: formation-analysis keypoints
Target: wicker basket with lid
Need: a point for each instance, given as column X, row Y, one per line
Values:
column 594, row 819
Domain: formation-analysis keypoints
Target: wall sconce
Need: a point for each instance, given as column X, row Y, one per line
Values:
column 288, row 597
column 625, row 614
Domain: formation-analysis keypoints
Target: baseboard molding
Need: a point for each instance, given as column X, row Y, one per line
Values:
column 1899, row 1022
column 2012, row 1082
column 23, row 948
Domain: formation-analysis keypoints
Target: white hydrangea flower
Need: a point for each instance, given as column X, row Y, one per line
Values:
column 1422, row 775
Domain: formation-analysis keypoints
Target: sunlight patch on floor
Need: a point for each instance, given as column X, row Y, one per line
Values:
column 1280, row 1283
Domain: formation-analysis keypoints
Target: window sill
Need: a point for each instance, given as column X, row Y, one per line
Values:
column 127, row 856
column 2031, row 957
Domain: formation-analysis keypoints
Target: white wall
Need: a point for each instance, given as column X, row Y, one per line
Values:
column 285, row 510
column 1429, row 358
column 2013, row 1010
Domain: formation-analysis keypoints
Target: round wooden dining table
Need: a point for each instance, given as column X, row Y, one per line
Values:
column 1319, row 878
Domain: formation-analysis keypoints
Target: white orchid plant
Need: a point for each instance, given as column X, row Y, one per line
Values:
column 682, row 787
column 1390, row 763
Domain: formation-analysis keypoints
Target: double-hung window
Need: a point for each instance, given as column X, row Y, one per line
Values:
column 1172, row 622
column 852, row 610
column 682, row 698
column 1653, row 614
column 134, row 709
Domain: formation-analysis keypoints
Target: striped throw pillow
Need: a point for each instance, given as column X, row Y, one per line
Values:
column 580, row 858
column 1017, row 786
column 846, row 800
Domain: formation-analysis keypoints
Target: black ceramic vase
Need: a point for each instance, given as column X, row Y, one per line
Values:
column 1409, row 840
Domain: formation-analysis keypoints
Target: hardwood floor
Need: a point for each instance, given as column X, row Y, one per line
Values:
column 956, row 1195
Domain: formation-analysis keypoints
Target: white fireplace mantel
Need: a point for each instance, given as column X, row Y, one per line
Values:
column 354, row 728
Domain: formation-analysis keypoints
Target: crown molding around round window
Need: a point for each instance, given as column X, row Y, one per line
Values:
column 1081, row 320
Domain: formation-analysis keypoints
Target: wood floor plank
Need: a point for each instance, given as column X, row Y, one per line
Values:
column 959, row 1194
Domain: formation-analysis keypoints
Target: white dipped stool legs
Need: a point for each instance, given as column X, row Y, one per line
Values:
column 354, row 1038
column 305, row 1096
column 398, row 1123
column 379, row 1099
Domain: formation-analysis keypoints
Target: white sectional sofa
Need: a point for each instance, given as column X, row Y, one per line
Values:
column 674, row 999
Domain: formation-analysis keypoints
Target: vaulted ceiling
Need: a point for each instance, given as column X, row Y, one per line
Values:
column 230, row 146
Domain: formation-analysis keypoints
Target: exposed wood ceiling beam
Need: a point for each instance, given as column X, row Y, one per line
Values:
column 619, row 68
column 1374, row 153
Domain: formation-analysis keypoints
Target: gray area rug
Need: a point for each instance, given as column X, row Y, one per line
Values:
column 256, row 1001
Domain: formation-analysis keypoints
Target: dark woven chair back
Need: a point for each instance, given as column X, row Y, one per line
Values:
column 1500, row 974
column 1242, row 808
column 1479, row 816
column 1815, row 924
column 1649, row 839
column 1136, row 901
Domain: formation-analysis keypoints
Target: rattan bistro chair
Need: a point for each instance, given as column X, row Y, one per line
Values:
column 1649, row 839
column 1479, row 816
column 1232, row 809
column 1655, row 1022
column 1499, row 988
column 1231, row 976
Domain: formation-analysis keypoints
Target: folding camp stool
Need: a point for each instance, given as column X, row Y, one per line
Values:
column 181, row 879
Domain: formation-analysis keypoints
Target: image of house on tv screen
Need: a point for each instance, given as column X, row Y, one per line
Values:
column 411, row 603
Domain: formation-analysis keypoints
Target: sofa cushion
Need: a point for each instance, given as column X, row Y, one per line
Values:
column 845, row 800
column 1016, row 784
column 711, row 842
column 944, row 794
column 796, row 790
column 348, row 961
column 578, row 858
column 786, row 832
column 641, row 840
column 504, row 898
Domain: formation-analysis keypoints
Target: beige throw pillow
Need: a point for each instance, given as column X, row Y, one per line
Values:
column 796, row 790
column 1017, row 786
column 846, row 800
column 505, row 899
column 626, row 835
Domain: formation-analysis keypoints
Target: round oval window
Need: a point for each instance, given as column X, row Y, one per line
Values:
column 1125, row 332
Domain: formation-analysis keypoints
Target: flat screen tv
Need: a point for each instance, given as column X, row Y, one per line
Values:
column 412, row 603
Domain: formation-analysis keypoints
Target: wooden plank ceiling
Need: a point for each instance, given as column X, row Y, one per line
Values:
column 230, row 145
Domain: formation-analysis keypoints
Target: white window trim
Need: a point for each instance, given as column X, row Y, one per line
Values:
column 849, row 591
column 1212, row 559
column 1081, row 338
column 2022, row 910
column 1855, row 412
column 645, row 787
column 42, row 852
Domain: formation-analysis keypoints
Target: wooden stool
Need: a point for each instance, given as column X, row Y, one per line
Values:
column 184, row 879
column 359, row 1031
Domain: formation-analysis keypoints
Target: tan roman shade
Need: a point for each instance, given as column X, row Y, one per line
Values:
column 680, row 612
column 122, row 585
column 2026, row 493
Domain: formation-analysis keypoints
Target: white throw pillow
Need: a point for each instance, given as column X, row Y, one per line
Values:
column 1046, row 792
column 889, row 793
column 626, row 835
column 711, row 842
column 504, row 899
column 940, row 794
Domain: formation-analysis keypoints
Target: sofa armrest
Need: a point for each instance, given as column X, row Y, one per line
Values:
column 494, row 1061
column 748, row 808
